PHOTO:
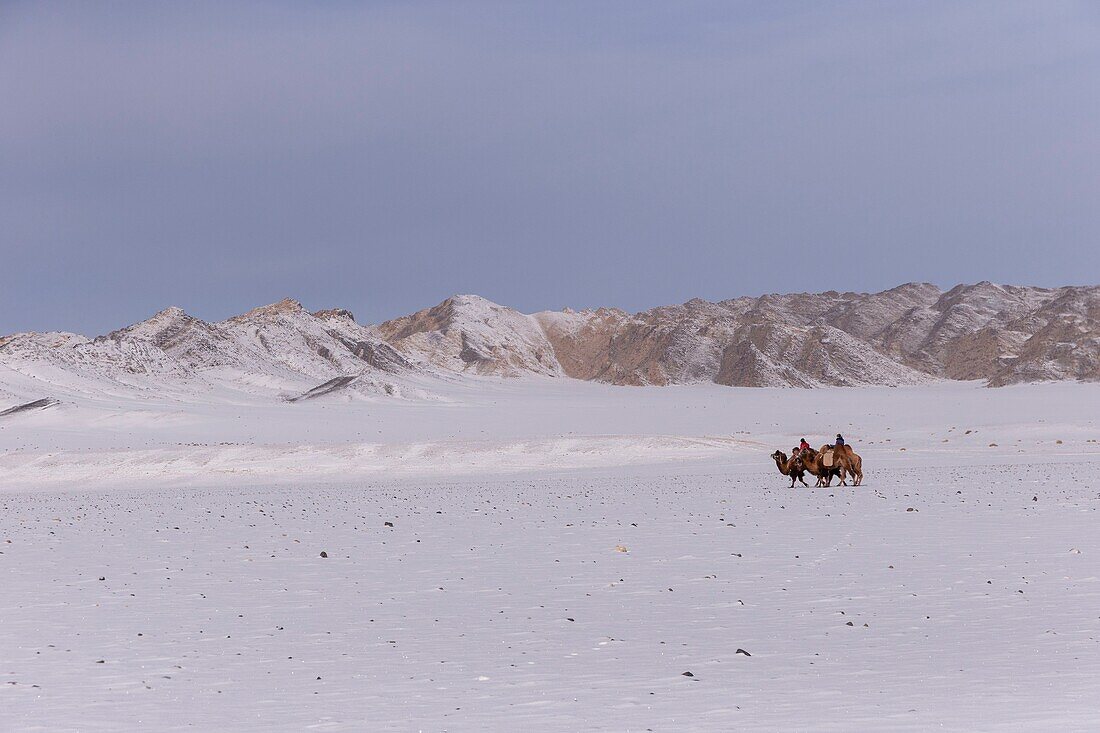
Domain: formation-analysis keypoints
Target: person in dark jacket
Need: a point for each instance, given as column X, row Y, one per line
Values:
column 839, row 439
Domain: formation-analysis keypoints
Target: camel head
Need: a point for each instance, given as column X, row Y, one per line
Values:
column 779, row 456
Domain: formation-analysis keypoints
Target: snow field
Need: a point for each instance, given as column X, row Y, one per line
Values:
column 504, row 604
column 491, row 427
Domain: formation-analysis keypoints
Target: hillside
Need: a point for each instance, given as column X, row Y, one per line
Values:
column 911, row 334
column 908, row 335
column 280, row 350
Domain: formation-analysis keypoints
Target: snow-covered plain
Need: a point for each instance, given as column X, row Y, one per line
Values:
column 481, row 426
column 560, row 554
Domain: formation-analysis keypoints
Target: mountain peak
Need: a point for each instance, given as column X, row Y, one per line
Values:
column 470, row 299
column 171, row 319
column 334, row 313
column 286, row 306
column 469, row 333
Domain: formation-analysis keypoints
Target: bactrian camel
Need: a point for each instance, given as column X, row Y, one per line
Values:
column 849, row 460
column 790, row 467
column 814, row 462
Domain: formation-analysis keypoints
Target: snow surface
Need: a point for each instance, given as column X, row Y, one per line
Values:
column 490, row 426
column 560, row 554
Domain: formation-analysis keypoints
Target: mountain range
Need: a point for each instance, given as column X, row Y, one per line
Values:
column 911, row 334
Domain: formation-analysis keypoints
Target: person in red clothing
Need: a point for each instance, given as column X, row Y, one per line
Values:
column 803, row 445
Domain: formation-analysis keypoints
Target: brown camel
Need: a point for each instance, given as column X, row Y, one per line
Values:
column 790, row 467
column 814, row 462
column 849, row 461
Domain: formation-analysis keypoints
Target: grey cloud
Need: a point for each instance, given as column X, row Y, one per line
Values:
column 382, row 156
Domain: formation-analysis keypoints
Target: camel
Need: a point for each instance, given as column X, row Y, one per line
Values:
column 849, row 462
column 814, row 462
column 790, row 467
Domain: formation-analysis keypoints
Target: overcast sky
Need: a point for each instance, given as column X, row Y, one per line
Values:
column 382, row 156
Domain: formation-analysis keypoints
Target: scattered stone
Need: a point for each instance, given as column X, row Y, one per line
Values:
column 742, row 651
column 688, row 674
column 324, row 554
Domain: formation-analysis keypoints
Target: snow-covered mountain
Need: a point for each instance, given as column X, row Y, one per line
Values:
column 753, row 343
column 280, row 349
column 906, row 335
column 468, row 333
column 911, row 334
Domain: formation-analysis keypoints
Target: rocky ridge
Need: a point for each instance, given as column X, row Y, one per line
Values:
column 280, row 348
column 911, row 334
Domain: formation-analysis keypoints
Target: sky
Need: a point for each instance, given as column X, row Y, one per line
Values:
column 381, row 156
